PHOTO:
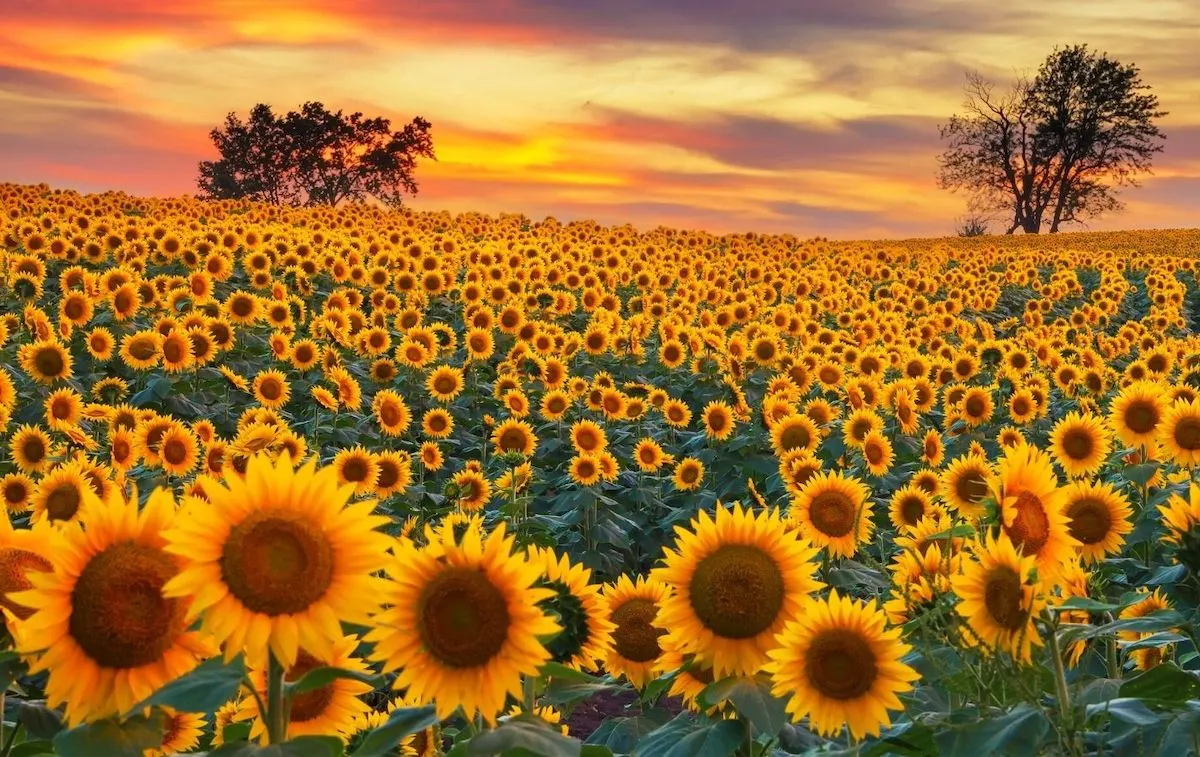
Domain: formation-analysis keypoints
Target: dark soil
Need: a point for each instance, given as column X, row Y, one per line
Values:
column 588, row 715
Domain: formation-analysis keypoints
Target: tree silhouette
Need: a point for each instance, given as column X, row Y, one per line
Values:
column 1053, row 150
column 314, row 157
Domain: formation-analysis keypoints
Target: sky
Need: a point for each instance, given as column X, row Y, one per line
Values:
column 813, row 117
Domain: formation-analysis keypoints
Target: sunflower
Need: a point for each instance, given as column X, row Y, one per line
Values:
column 860, row 423
column 792, row 432
column 933, row 449
column 976, row 406
column 632, row 607
column 554, row 404
column 181, row 734
column 877, row 452
column 1179, row 433
column 141, row 350
column 585, row 470
column 737, row 580
column 649, row 455
column 276, row 558
column 101, row 624
column 1031, row 507
column 692, row 675
column 45, row 360
column 22, row 551
column 444, row 383
column 177, row 353
column 391, row 412
column 1135, row 413
column 17, row 491
column 838, row 666
column 718, row 420
column 909, row 505
column 325, row 398
column 514, row 436
column 676, row 413
column 431, row 456
column 473, row 490
column 463, row 622
column 437, row 423
column 271, row 389
column 964, row 485
column 1098, row 517
column 395, row 472
column 356, row 466
column 63, row 496
column 1080, row 443
column 330, row 710
column 588, row 437
column 689, row 474
column 1146, row 657
column 832, row 511
column 999, row 596
column 178, row 450
column 586, row 637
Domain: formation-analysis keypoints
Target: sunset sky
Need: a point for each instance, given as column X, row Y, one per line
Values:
column 807, row 116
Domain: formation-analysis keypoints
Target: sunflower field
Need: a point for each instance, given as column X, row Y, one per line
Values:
column 317, row 482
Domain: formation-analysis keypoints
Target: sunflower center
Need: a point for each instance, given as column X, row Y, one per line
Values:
column 1187, row 433
column 277, row 563
column 1030, row 528
column 975, row 406
column 63, row 503
column 1077, row 443
column 971, row 486
column 794, row 436
column 1003, row 598
column 911, row 509
column 49, row 362
column 636, row 638
column 141, row 349
column 463, row 618
column 310, row 704
column 175, row 452
column 716, row 422
column 119, row 616
column 574, row 619
column 512, row 439
column 173, row 351
column 737, row 591
column 688, row 474
column 840, row 664
column 1141, row 417
column 1090, row 520
column 390, row 415
column 355, row 470
column 14, row 564
column 874, row 454
column 833, row 513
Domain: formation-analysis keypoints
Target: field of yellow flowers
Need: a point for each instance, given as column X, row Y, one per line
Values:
column 313, row 482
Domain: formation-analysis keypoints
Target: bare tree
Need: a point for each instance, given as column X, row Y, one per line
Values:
column 1056, row 148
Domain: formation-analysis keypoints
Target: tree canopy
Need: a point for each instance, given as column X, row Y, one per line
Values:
column 314, row 157
column 1056, row 149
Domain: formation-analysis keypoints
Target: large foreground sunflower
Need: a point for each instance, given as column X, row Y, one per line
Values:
column 737, row 581
column 100, row 624
column 463, row 623
column 999, row 597
column 276, row 559
column 839, row 666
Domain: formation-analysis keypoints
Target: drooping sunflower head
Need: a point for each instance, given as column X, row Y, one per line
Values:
column 737, row 579
column 586, row 635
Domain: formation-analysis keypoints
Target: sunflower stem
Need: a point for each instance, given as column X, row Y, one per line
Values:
column 276, row 715
column 11, row 740
column 1060, row 678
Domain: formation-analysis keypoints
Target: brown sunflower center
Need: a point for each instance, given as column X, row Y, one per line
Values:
column 389, row 414
column 1141, row 417
column 971, row 486
column 1187, row 433
column 355, row 470
column 833, row 513
column 911, row 509
column 1078, row 444
column 49, row 362
column 513, row 439
column 636, row 638
column 689, row 474
column 1090, row 520
column 463, row 618
column 119, row 616
column 63, row 502
column 14, row 564
column 975, row 406
column 794, row 436
column 310, row 704
column 175, row 451
column 873, row 453
column 737, row 591
column 389, row 474
column 173, row 351
column 271, row 389
column 445, row 384
column 840, row 664
column 1030, row 527
column 1003, row 598
column 277, row 563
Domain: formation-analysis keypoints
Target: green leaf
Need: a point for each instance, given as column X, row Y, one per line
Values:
column 1140, row 474
column 40, row 721
column 621, row 735
column 1021, row 731
column 32, row 748
column 1167, row 574
column 559, row 693
column 684, row 738
column 205, row 689
column 1125, row 709
column 1181, row 735
column 1164, row 683
column 402, row 722
column 323, row 676
column 1162, row 620
column 525, row 736
column 303, row 746
column 112, row 738
column 563, row 673
column 753, row 699
column 1086, row 604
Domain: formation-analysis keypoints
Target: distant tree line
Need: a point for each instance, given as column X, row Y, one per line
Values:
column 314, row 157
